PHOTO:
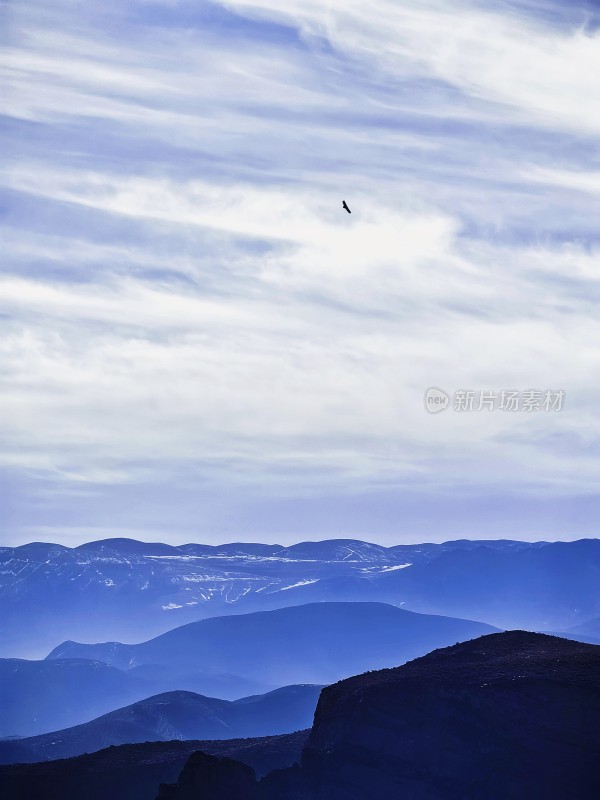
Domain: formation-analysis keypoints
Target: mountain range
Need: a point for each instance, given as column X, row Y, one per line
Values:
column 316, row 643
column 170, row 716
column 50, row 593
column 507, row 715
column 312, row 643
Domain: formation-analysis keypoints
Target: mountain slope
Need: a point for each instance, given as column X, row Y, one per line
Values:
column 546, row 587
column 314, row 643
column 37, row 696
column 511, row 715
column 508, row 715
column 41, row 696
column 49, row 593
column 134, row 771
column 174, row 715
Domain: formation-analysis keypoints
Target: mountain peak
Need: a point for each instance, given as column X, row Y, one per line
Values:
column 508, row 655
column 505, row 715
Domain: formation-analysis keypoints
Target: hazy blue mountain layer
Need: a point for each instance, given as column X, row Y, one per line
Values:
column 316, row 643
column 174, row 715
column 313, row 643
column 49, row 593
column 509, row 715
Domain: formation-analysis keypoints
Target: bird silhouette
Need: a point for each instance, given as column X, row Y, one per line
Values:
column 344, row 205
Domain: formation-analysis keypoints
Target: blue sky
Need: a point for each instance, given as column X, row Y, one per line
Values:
column 197, row 342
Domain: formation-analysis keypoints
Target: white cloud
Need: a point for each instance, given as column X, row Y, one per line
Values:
column 274, row 377
column 543, row 74
column 587, row 181
column 183, row 293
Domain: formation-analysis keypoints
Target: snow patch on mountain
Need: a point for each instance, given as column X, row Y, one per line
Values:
column 300, row 583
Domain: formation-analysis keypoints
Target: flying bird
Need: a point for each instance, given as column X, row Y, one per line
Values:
column 344, row 205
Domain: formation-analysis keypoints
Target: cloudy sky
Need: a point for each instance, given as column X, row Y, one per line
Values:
column 198, row 344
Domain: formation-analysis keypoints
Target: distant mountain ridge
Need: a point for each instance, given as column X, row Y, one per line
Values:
column 50, row 593
column 39, row 696
column 174, row 715
column 316, row 643
column 589, row 628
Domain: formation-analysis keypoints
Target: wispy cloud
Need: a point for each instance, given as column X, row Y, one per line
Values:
column 186, row 306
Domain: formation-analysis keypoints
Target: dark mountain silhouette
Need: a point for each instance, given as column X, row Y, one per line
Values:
column 174, row 715
column 205, row 777
column 510, row 715
column 507, row 715
column 51, row 593
column 135, row 771
column 576, row 637
column 315, row 643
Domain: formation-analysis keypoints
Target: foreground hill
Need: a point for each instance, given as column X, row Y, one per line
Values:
column 315, row 643
column 510, row 715
column 49, row 593
column 174, row 715
column 134, row 771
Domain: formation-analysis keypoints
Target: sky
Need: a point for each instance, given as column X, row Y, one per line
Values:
column 199, row 344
